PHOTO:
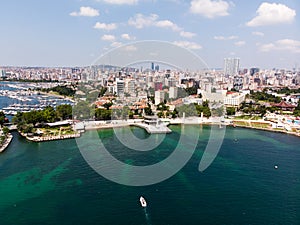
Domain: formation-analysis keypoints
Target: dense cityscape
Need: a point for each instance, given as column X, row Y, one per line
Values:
column 146, row 112
column 267, row 97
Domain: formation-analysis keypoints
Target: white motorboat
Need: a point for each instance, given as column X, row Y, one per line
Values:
column 143, row 202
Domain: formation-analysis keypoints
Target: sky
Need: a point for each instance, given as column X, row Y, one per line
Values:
column 264, row 34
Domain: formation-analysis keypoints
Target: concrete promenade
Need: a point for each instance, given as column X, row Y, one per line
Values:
column 6, row 142
column 51, row 138
column 152, row 129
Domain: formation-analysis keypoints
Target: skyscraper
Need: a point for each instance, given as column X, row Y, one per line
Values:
column 231, row 66
column 120, row 87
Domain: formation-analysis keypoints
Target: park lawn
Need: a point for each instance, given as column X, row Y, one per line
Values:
column 241, row 123
column 54, row 131
column 260, row 125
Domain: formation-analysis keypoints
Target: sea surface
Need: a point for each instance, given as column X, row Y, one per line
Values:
column 51, row 183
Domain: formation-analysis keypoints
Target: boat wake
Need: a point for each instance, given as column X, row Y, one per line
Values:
column 147, row 217
column 144, row 205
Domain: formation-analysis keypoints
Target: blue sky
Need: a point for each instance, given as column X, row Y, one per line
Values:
column 75, row 32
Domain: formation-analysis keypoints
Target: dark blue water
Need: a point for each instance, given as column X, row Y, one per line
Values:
column 50, row 183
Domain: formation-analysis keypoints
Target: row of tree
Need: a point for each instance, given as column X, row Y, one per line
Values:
column 60, row 89
column 264, row 96
column 2, row 118
column 41, row 117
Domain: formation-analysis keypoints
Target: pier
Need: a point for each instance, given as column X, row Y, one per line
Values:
column 153, row 125
column 153, row 129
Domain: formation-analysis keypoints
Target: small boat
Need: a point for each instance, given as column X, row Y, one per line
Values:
column 143, row 202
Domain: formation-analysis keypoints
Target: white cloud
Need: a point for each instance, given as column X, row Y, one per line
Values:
column 116, row 44
column 86, row 11
column 167, row 24
column 223, row 38
column 257, row 33
column 187, row 44
column 187, row 34
column 272, row 13
column 140, row 21
column 210, row 8
column 240, row 43
column 108, row 37
column 121, row 2
column 127, row 37
column 105, row 26
column 282, row 45
column 130, row 48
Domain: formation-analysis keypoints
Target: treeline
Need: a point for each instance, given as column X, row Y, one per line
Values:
column 297, row 110
column 2, row 118
column 264, row 96
column 31, row 81
column 62, row 90
column 288, row 91
column 25, row 121
column 194, row 110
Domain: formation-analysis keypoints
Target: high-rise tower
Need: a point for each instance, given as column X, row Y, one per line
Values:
column 231, row 66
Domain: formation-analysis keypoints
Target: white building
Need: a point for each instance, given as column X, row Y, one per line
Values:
column 131, row 86
column 159, row 97
column 173, row 92
column 231, row 66
column 234, row 100
column 120, row 87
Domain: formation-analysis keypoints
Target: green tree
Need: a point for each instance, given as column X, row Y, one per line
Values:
column 230, row 111
column 102, row 92
column 107, row 105
column 102, row 114
column 297, row 110
column 151, row 91
column 191, row 90
column 2, row 117
column 160, row 114
column 82, row 110
column 49, row 114
column 148, row 111
column 64, row 112
column 92, row 96
column 5, row 130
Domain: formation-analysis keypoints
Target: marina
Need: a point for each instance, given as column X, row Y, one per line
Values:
column 19, row 98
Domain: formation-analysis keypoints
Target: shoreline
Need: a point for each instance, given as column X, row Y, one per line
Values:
column 6, row 143
column 50, row 138
column 58, row 96
column 268, row 129
column 228, row 122
column 99, row 125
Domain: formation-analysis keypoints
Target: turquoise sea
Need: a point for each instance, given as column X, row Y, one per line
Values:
column 51, row 183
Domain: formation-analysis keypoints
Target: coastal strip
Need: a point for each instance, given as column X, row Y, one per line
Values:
column 6, row 142
column 249, row 126
column 51, row 138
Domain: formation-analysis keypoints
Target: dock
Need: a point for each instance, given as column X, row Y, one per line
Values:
column 153, row 129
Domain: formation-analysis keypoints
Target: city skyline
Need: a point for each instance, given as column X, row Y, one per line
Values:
column 56, row 33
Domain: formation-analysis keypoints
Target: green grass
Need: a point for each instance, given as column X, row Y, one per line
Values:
column 260, row 125
column 53, row 131
column 247, row 117
column 2, row 138
column 241, row 123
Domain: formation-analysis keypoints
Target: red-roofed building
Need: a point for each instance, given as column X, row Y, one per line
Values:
column 285, row 106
